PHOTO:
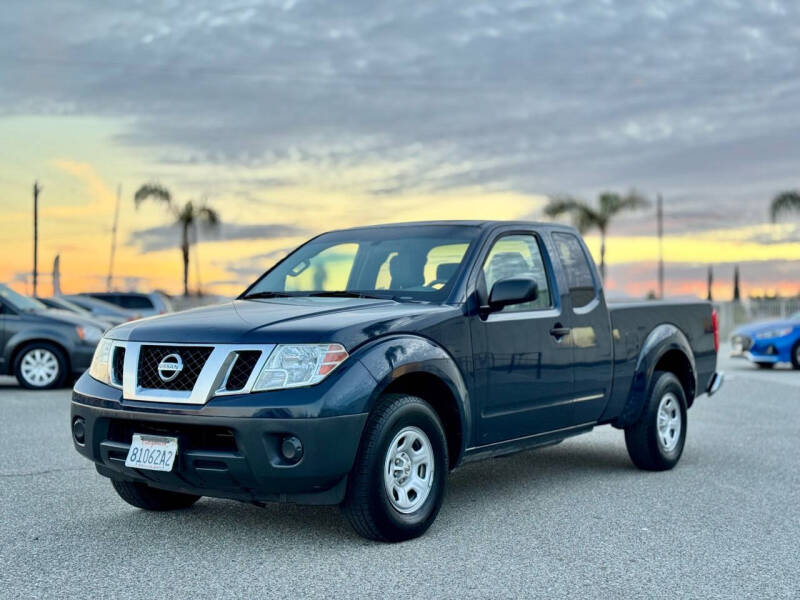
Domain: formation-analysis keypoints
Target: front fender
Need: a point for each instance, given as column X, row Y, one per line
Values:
column 49, row 334
column 662, row 339
column 388, row 359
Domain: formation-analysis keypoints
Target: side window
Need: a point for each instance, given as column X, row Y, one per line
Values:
column 576, row 266
column 328, row 270
column 134, row 302
column 518, row 256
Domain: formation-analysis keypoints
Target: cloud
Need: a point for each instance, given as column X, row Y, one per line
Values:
column 696, row 99
column 168, row 236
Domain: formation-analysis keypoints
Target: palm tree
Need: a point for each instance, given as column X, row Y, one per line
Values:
column 784, row 202
column 586, row 217
column 188, row 217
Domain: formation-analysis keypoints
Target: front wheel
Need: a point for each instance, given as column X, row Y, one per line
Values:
column 655, row 442
column 40, row 366
column 763, row 365
column 398, row 480
column 796, row 355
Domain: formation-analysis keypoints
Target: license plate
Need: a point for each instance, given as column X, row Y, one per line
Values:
column 153, row 452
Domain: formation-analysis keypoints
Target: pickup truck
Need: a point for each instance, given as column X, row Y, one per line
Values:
column 370, row 362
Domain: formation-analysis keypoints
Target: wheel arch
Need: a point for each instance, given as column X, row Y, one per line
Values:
column 18, row 346
column 666, row 348
column 418, row 366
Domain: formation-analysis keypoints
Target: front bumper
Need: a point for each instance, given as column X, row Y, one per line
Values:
column 224, row 450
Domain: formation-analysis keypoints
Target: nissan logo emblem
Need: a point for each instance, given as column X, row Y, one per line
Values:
column 170, row 367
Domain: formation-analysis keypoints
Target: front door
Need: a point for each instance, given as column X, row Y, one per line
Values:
column 523, row 366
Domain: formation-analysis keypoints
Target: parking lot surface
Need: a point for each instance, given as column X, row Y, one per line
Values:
column 575, row 519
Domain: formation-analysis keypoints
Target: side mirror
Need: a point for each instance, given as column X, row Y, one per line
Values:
column 515, row 290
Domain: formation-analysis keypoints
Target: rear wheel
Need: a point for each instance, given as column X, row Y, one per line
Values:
column 655, row 442
column 143, row 496
column 397, row 483
column 40, row 366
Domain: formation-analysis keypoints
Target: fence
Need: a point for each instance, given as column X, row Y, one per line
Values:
column 733, row 314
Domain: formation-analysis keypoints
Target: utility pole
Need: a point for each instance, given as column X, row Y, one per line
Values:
column 660, row 219
column 110, row 277
column 36, row 191
column 710, row 296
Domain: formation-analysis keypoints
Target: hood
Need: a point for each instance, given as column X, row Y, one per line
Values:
column 755, row 328
column 301, row 319
column 55, row 315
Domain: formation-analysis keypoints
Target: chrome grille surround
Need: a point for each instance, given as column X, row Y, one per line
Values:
column 211, row 380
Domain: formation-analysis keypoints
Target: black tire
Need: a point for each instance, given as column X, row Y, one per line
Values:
column 644, row 443
column 367, row 505
column 143, row 496
column 766, row 366
column 796, row 355
column 61, row 360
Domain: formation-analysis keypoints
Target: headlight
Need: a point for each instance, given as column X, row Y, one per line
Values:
column 297, row 365
column 774, row 333
column 99, row 368
column 89, row 334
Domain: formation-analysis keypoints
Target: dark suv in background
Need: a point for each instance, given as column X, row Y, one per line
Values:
column 43, row 347
column 146, row 305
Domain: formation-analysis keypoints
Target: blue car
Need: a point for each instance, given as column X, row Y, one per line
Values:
column 768, row 343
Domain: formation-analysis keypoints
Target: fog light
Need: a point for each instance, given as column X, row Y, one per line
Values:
column 79, row 430
column 772, row 350
column 292, row 448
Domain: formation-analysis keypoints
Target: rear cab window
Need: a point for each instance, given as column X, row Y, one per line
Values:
column 575, row 262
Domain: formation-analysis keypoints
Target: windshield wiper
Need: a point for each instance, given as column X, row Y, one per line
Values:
column 345, row 294
column 266, row 295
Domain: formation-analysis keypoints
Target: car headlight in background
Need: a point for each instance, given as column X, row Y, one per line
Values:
column 99, row 367
column 298, row 365
column 774, row 333
column 89, row 334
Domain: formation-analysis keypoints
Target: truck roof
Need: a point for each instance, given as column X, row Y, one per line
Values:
column 486, row 223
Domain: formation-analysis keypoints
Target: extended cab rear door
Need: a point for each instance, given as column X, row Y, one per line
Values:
column 587, row 316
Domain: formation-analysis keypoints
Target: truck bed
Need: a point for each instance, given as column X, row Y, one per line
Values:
column 633, row 322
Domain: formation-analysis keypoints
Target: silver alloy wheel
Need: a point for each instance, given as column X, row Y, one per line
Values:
column 39, row 367
column 408, row 469
column 669, row 421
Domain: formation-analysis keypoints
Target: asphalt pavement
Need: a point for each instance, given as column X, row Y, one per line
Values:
column 573, row 520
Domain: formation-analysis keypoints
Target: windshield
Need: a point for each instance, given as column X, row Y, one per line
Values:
column 795, row 317
column 20, row 302
column 402, row 262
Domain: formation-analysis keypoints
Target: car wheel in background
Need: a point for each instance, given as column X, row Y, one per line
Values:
column 143, row 496
column 763, row 365
column 796, row 355
column 40, row 366
column 397, row 484
column 655, row 442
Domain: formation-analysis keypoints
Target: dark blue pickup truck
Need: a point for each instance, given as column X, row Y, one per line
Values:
column 369, row 362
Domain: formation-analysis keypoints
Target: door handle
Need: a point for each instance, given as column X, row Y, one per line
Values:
column 559, row 332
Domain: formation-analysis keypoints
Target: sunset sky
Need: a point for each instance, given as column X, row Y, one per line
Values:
column 292, row 117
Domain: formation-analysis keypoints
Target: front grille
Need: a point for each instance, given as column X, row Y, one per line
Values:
column 745, row 341
column 117, row 364
column 245, row 363
column 190, row 437
column 193, row 357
